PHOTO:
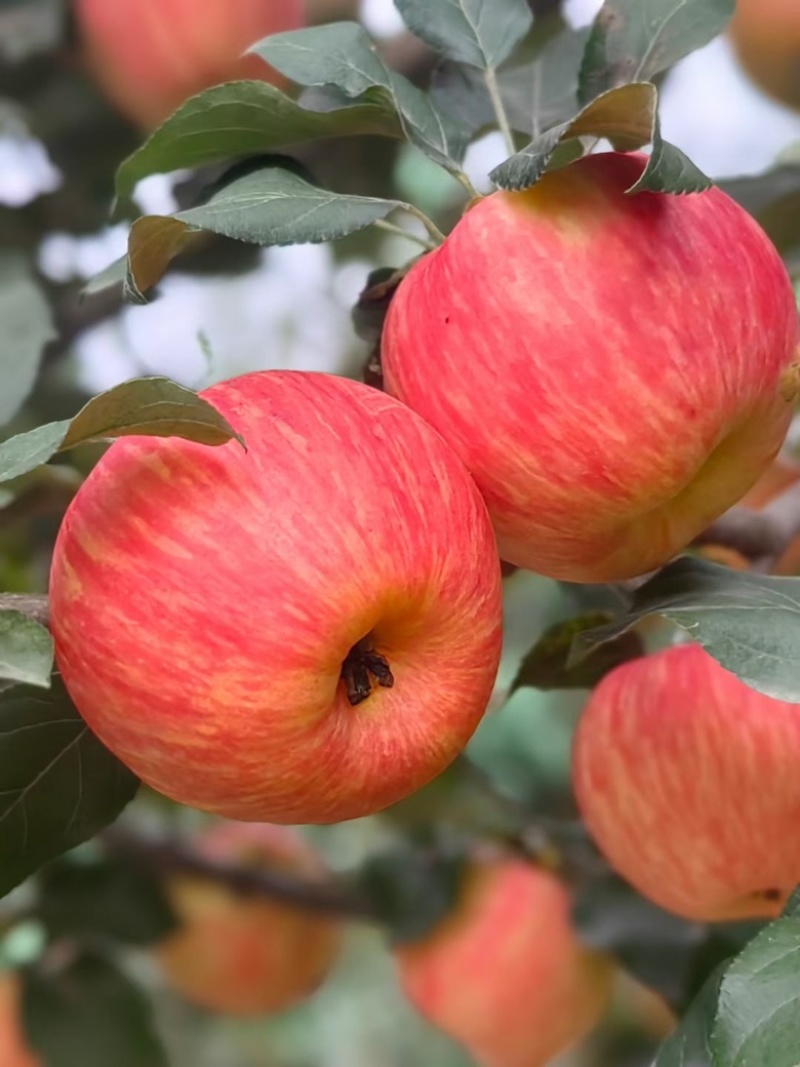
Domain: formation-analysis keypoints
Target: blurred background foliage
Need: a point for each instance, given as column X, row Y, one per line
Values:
column 230, row 308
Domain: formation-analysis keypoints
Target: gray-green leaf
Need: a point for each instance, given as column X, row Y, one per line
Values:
column 342, row 55
column 482, row 33
column 26, row 325
column 749, row 622
column 634, row 40
column 144, row 406
column 689, row 1044
column 240, row 119
column 271, row 206
column 26, row 650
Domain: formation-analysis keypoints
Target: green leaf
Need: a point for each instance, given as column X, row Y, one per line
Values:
column 689, row 1045
column 272, row 206
column 668, row 170
column 624, row 116
column 103, row 899
column 634, row 40
column 749, row 622
column 26, row 650
column 90, row 1014
column 547, row 665
column 241, row 119
column 26, row 325
column 154, row 407
column 58, row 785
column 758, row 1015
column 342, row 55
column 536, row 95
column 482, row 33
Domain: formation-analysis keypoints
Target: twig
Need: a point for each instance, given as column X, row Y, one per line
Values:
column 163, row 856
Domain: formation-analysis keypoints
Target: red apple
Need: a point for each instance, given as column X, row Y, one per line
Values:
column 766, row 37
column 505, row 974
column 149, row 56
column 14, row 1048
column 306, row 631
column 578, row 348
column 247, row 955
column 687, row 780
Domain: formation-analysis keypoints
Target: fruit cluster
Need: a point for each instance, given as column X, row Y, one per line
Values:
column 307, row 628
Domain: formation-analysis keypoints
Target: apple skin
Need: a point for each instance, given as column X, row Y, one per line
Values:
column 504, row 974
column 149, row 56
column 766, row 38
column 687, row 780
column 14, row 1048
column 576, row 347
column 203, row 601
column 246, row 955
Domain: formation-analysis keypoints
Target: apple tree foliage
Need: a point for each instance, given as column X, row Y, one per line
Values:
column 553, row 92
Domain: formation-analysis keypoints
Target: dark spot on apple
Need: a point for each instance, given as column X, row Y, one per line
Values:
column 772, row 894
column 447, row 320
column 362, row 665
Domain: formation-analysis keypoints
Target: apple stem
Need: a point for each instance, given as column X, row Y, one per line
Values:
column 361, row 665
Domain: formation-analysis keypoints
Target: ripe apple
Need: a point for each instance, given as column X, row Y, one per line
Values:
column 14, row 1048
column 149, row 56
column 247, row 955
column 576, row 347
column 504, row 974
column 687, row 780
column 303, row 632
column 766, row 38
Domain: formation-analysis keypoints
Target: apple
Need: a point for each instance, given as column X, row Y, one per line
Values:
column 247, row 955
column 15, row 1050
column 303, row 632
column 505, row 974
column 766, row 37
column 687, row 780
column 576, row 347
column 149, row 56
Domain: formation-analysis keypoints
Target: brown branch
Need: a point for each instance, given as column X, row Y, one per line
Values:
column 164, row 856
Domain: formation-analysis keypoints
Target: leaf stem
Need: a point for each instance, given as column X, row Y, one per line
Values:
column 436, row 234
column 464, row 180
column 500, row 111
column 389, row 227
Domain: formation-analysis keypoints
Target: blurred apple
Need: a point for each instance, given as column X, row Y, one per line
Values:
column 766, row 37
column 505, row 974
column 575, row 345
column 149, row 56
column 304, row 631
column 687, row 780
column 248, row 955
column 14, row 1048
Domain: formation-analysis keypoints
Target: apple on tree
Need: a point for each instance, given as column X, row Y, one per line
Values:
column 303, row 631
column 576, row 347
column 505, row 974
column 149, row 56
column 766, row 37
column 15, row 1050
column 245, row 955
column 687, row 780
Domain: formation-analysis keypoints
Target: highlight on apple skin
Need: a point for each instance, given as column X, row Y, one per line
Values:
column 245, row 955
column 149, row 56
column 766, row 38
column 303, row 632
column 576, row 347
column 687, row 780
column 505, row 974
column 15, row 1050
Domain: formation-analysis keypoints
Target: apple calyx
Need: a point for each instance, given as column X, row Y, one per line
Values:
column 361, row 665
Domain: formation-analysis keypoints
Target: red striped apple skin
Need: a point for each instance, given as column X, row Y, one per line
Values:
column 615, row 371
column 505, row 974
column 149, row 56
column 203, row 602
column 247, row 955
column 687, row 780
